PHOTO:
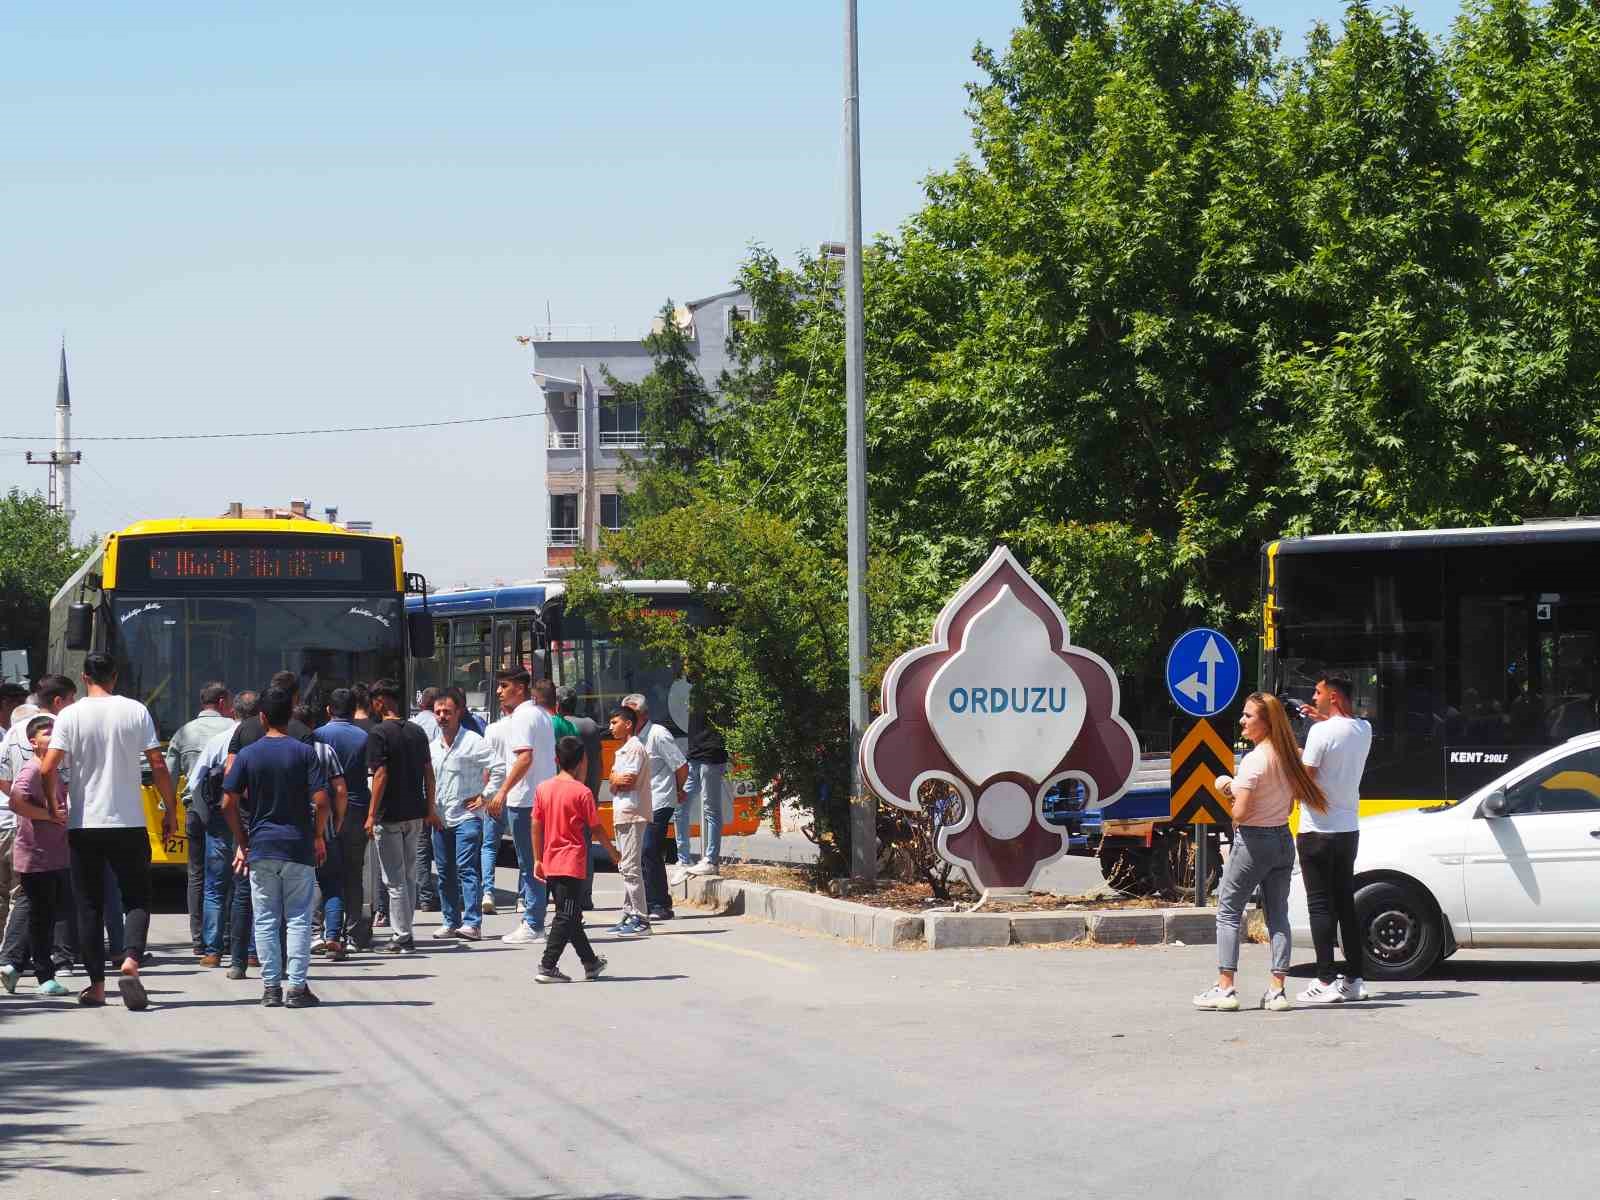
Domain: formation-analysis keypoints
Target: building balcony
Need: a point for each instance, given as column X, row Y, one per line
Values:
column 622, row 439
column 564, row 535
column 565, row 441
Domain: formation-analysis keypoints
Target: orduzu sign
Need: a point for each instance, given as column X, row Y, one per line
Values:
column 1002, row 707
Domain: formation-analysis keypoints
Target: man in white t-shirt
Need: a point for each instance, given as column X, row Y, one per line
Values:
column 669, row 769
column 1335, row 755
column 103, row 736
column 532, row 746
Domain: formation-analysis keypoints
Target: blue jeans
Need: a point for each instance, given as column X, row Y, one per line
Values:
column 281, row 891
column 534, row 896
column 217, row 886
column 702, row 792
column 1261, row 856
column 456, row 849
column 330, row 882
column 493, row 829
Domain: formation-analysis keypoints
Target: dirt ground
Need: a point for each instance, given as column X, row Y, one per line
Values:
column 915, row 897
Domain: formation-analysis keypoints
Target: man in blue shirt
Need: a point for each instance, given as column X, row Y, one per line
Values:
column 286, row 794
column 349, row 742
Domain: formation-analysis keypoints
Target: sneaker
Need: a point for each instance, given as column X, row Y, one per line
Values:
column 449, row 931
column 236, row 971
column 471, row 933
column 621, row 926
column 522, row 935
column 319, row 947
column 551, row 975
column 272, row 996
column 522, row 906
column 636, row 927
column 301, row 997
column 661, row 914
column 677, row 875
column 1352, row 990
column 1273, row 1000
column 704, row 868
column 1218, row 999
column 8, row 977
column 381, row 921
column 400, row 945
column 211, row 960
column 592, row 972
column 53, row 987
column 487, row 905
column 1321, row 993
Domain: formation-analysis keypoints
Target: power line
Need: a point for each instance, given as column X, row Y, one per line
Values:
column 279, row 433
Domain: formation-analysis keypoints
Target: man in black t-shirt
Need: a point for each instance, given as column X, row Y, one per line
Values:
column 402, row 805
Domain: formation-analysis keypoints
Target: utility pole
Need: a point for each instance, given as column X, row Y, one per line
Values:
column 863, row 808
column 61, row 459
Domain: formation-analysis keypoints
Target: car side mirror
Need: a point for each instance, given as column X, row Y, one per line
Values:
column 419, row 632
column 1495, row 804
column 80, row 626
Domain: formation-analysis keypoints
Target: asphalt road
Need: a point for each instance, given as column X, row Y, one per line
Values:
column 725, row 1057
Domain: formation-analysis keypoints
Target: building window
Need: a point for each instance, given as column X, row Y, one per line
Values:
column 564, row 528
column 619, row 423
column 612, row 511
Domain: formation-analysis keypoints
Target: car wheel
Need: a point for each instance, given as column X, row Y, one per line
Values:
column 1403, row 931
column 1172, row 865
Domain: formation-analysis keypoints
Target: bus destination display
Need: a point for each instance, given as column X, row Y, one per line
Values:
column 254, row 562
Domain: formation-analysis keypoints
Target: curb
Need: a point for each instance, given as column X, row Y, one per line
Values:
column 891, row 929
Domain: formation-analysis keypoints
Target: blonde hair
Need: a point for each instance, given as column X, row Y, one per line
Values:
column 1281, row 737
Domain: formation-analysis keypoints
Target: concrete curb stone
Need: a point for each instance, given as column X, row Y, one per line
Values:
column 892, row 929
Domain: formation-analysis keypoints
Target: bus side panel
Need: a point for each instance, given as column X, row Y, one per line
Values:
column 744, row 819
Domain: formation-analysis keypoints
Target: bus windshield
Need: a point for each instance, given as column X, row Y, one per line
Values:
column 167, row 648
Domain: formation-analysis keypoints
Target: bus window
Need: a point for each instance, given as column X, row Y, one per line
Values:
column 469, row 661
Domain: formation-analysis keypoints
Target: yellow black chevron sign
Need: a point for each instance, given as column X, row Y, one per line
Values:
column 1197, row 760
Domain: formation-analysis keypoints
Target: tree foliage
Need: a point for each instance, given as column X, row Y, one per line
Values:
column 37, row 556
column 1187, row 295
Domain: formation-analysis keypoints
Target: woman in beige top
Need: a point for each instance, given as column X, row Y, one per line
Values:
column 1270, row 778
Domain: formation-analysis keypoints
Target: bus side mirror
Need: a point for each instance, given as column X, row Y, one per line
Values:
column 1494, row 805
column 419, row 632
column 80, row 626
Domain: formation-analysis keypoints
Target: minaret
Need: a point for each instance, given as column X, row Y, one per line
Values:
column 64, row 457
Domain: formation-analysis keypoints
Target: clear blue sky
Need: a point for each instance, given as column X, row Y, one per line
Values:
column 299, row 215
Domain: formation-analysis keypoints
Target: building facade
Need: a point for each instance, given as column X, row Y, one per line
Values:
column 589, row 434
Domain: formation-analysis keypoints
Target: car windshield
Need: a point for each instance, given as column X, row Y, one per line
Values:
column 167, row 649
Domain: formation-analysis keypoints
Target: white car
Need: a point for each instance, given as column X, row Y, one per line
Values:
column 1514, row 864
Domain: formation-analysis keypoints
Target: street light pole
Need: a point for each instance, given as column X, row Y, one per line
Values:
column 863, row 808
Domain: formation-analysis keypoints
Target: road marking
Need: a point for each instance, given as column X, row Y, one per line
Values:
column 708, row 944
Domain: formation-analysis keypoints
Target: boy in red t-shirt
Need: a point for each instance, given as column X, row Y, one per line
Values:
column 563, row 813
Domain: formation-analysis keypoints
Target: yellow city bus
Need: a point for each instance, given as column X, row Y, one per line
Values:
column 180, row 603
column 1471, row 650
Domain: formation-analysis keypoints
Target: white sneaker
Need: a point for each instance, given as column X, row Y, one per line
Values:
column 449, row 931
column 678, row 874
column 1352, row 990
column 521, row 906
column 1218, row 999
column 469, row 933
column 486, row 905
column 1321, row 993
column 704, row 868
column 1273, row 1000
column 8, row 977
column 522, row 935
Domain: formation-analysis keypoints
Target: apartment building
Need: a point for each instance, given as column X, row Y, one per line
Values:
column 589, row 433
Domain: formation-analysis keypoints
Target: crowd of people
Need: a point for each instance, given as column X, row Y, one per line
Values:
column 289, row 807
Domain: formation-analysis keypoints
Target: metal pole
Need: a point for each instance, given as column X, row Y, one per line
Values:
column 863, row 808
column 1202, row 865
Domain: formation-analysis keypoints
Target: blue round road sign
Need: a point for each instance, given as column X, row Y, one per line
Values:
column 1203, row 672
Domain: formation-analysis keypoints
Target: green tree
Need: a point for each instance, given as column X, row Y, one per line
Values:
column 37, row 556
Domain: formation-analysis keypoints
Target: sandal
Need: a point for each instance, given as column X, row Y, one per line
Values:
column 134, row 997
column 87, row 999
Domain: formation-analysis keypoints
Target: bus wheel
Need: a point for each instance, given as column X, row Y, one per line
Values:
column 1172, row 865
column 1403, row 930
column 1126, row 869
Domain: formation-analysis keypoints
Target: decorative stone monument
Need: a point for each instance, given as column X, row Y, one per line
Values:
column 1002, row 707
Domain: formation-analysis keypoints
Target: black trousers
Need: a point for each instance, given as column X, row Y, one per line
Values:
column 351, row 848
column 653, row 863
column 48, row 894
column 566, row 901
column 1327, row 864
column 427, row 881
column 127, row 853
column 17, row 948
column 194, row 830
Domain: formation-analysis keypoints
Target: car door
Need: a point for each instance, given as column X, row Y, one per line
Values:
column 1532, row 876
